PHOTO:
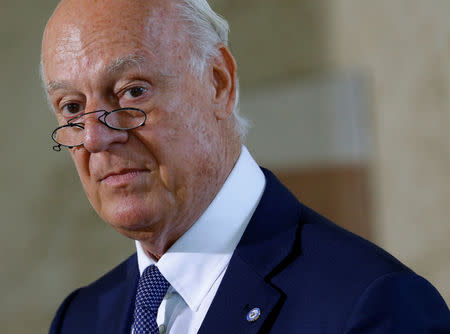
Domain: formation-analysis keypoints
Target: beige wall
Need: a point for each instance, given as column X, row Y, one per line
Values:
column 52, row 242
column 405, row 48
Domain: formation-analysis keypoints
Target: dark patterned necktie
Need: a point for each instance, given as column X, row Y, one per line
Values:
column 152, row 288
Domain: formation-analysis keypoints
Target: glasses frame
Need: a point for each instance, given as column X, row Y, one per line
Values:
column 101, row 119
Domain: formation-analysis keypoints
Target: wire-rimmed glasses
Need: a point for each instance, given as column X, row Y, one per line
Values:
column 71, row 134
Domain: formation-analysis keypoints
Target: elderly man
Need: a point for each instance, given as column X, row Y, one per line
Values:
column 145, row 93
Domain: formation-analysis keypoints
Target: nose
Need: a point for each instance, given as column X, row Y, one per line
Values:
column 98, row 137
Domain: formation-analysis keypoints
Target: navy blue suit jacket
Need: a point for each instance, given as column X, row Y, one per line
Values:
column 305, row 274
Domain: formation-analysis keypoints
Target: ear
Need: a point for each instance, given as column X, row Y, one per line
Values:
column 224, row 82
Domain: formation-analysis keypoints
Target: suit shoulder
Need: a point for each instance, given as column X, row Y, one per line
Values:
column 332, row 263
column 80, row 308
column 318, row 242
column 409, row 304
column 107, row 281
column 60, row 313
column 339, row 278
column 324, row 241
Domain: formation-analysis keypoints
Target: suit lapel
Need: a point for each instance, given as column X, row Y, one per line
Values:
column 266, row 247
column 242, row 291
column 116, row 305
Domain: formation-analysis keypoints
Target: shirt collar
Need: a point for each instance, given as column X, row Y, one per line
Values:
column 197, row 259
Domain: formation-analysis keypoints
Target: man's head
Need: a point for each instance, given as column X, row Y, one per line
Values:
column 153, row 182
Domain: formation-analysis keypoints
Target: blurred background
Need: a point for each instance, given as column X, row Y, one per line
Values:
column 350, row 106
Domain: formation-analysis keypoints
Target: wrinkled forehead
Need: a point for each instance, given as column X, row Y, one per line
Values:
column 81, row 27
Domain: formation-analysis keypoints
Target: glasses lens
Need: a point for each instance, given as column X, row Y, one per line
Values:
column 69, row 135
column 125, row 119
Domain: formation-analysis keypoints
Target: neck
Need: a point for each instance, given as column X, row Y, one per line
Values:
column 156, row 245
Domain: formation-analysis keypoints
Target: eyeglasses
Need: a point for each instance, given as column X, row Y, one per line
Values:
column 71, row 134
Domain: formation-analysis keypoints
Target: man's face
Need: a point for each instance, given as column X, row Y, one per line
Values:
column 153, row 180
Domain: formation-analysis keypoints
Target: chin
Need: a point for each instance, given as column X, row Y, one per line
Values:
column 130, row 218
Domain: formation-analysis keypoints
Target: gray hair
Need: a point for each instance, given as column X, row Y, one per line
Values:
column 207, row 29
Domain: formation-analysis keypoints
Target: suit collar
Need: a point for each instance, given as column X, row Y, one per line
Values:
column 265, row 248
column 272, row 231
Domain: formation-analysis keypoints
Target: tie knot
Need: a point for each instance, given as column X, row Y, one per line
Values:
column 151, row 289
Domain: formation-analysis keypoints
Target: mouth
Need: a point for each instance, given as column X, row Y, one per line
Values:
column 122, row 177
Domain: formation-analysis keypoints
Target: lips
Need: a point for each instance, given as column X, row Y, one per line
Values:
column 122, row 176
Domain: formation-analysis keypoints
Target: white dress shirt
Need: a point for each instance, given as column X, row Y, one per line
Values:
column 197, row 261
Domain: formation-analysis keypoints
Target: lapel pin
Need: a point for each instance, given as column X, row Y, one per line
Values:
column 254, row 314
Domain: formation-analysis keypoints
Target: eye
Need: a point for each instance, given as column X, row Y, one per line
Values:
column 71, row 108
column 135, row 92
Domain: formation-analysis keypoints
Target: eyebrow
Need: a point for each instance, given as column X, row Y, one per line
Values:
column 120, row 64
column 55, row 85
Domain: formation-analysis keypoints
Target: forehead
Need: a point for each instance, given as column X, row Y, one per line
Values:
column 106, row 33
